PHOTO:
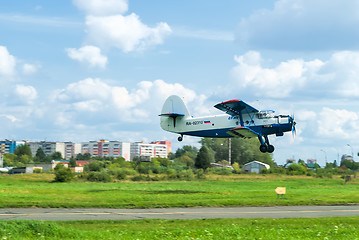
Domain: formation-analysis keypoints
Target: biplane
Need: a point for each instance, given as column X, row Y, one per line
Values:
column 240, row 120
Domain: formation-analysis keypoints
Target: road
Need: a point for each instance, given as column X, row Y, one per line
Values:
column 66, row 214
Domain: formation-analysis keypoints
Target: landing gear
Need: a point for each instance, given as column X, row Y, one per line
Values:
column 265, row 146
column 180, row 138
column 270, row 148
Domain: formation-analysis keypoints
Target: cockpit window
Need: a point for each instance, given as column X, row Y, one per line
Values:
column 265, row 114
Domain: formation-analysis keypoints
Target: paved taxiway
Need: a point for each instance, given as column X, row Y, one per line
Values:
column 64, row 214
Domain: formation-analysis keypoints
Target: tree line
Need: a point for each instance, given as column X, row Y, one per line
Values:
column 187, row 162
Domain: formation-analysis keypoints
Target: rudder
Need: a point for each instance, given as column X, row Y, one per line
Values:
column 173, row 111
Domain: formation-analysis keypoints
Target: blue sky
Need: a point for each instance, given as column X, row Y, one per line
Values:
column 88, row 69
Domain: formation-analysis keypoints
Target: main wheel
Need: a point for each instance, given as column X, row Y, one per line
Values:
column 263, row 148
column 180, row 138
column 270, row 148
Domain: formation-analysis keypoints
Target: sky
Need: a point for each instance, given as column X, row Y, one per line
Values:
column 86, row 70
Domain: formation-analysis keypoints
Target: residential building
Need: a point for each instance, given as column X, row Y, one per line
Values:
column 67, row 149
column 149, row 150
column 7, row 146
column 48, row 147
column 167, row 143
column 55, row 162
column 291, row 161
column 254, row 167
column 104, row 148
column 72, row 149
column 311, row 161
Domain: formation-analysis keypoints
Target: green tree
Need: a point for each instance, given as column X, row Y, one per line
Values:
column 40, row 156
column 93, row 166
column 349, row 164
column 23, row 149
column 300, row 161
column 72, row 162
column 185, row 160
column 85, row 156
column 25, row 159
column 204, row 158
column 243, row 150
column 236, row 167
column 187, row 150
column 171, row 155
column 9, row 159
column 297, row 169
column 56, row 156
column 63, row 174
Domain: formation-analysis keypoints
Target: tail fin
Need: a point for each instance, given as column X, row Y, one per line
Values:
column 173, row 111
column 174, row 106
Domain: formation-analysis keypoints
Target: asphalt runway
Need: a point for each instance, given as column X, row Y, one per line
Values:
column 67, row 214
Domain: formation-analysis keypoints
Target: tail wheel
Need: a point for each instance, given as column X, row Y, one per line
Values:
column 263, row 148
column 270, row 148
column 180, row 138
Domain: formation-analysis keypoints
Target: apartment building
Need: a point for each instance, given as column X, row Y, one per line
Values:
column 72, row 149
column 102, row 148
column 67, row 149
column 148, row 150
column 105, row 148
column 47, row 147
column 167, row 143
column 7, row 146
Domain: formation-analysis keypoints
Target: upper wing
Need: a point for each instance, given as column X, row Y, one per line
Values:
column 235, row 107
column 242, row 132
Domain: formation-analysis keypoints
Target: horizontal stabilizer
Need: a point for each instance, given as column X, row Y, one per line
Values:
column 172, row 115
column 242, row 132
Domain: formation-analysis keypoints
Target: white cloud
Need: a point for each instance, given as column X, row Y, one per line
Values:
column 26, row 94
column 277, row 82
column 336, row 77
column 87, row 89
column 338, row 123
column 125, row 32
column 9, row 117
column 342, row 71
column 102, row 7
column 7, row 62
column 29, row 68
column 117, row 103
column 88, row 54
column 303, row 25
column 107, row 26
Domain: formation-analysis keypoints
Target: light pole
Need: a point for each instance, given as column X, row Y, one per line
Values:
column 230, row 151
column 325, row 154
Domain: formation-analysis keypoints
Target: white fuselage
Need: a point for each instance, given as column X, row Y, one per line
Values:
column 218, row 125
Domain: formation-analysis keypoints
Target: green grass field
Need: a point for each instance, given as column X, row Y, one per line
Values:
column 305, row 228
column 37, row 190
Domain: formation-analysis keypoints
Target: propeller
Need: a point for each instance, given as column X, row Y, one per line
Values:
column 293, row 123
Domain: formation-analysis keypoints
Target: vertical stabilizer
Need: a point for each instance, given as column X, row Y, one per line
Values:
column 174, row 105
column 173, row 111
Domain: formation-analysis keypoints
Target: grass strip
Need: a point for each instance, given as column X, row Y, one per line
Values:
column 305, row 228
column 37, row 190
